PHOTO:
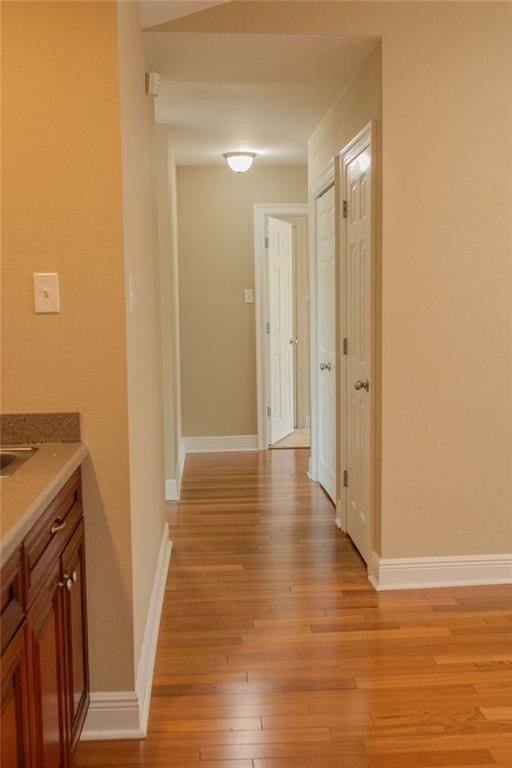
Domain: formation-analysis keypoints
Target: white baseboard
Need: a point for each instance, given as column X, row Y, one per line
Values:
column 425, row 572
column 181, row 464
column 220, row 443
column 173, row 487
column 171, row 490
column 144, row 678
column 113, row 715
column 124, row 714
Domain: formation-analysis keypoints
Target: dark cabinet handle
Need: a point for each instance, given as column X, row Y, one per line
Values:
column 58, row 525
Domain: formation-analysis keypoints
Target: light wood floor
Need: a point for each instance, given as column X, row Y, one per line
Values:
column 275, row 652
column 299, row 438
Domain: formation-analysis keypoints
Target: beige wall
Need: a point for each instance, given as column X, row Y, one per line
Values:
column 360, row 102
column 169, row 287
column 143, row 333
column 216, row 254
column 78, row 201
column 446, row 484
column 62, row 212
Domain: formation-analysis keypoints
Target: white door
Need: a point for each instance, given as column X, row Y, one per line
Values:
column 281, row 340
column 358, row 329
column 326, row 343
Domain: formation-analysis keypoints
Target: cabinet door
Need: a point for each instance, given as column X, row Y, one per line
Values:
column 75, row 617
column 14, row 725
column 46, row 646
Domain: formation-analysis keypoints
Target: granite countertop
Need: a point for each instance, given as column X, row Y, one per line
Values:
column 27, row 492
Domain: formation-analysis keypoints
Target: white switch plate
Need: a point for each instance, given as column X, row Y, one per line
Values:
column 46, row 292
column 249, row 295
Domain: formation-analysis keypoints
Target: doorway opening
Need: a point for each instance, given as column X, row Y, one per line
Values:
column 282, row 325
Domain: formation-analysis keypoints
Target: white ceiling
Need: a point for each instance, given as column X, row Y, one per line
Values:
column 266, row 93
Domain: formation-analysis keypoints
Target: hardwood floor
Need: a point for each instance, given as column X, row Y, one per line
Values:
column 275, row 652
column 299, row 438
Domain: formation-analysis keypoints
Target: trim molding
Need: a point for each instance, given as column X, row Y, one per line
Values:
column 220, row 443
column 261, row 212
column 425, row 572
column 173, row 487
column 144, row 679
column 181, row 465
column 325, row 179
column 112, row 715
column 171, row 490
column 364, row 140
column 124, row 714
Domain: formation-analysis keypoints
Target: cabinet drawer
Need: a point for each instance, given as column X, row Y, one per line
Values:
column 12, row 598
column 50, row 534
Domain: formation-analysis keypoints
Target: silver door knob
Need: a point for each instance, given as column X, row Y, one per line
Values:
column 294, row 341
column 325, row 366
column 360, row 384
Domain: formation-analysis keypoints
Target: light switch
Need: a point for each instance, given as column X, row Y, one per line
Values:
column 46, row 292
column 249, row 296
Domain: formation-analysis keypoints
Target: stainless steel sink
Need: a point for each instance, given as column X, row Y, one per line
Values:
column 12, row 457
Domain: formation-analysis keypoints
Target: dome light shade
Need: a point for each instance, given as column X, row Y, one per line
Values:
column 239, row 162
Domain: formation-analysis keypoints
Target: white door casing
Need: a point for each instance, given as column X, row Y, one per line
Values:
column 357, row 289
column 281, row 330
column 301, row 309
column 326, row 341
column 261, row 213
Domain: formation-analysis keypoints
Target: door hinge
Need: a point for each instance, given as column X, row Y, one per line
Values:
column 345, row 346
column 267, row 242
column 269, row 411
column 345, row 478
column 345, row 209
column 267, row 327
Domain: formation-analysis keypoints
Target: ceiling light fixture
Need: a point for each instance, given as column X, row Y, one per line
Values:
column 239, row 162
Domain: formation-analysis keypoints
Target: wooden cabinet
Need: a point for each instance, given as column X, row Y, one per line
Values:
column 45, row 687
column 75, row 618
column 46, row 630
column 15, row 722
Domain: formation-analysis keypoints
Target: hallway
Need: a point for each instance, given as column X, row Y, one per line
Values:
column 275, row 652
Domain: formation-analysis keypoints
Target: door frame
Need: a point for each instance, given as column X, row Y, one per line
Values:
column 324, row 181
column 261, row 211
column 365, row 138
